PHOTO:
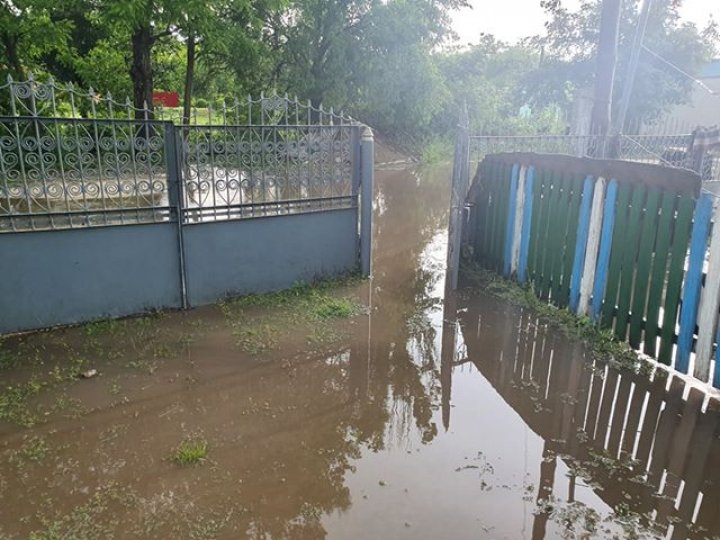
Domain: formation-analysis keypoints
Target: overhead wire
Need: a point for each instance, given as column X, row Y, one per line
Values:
column 681, row 71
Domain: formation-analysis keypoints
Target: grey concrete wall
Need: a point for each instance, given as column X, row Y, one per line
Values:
column 229, row 258
column 62, row 277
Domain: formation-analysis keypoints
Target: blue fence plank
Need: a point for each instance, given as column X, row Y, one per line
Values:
column 604, row 250
column 581, row 243
column 527, row 220
column 510, row 229
column 693, row 281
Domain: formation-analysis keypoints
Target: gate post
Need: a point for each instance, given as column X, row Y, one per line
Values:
column 460, row 183
column 173, row 164
column 367, row 164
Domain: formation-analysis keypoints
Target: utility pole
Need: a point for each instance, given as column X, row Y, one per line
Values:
column 605, row 67
column 632, row 67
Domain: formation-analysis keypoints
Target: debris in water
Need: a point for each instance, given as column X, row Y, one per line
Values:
column 89, row 374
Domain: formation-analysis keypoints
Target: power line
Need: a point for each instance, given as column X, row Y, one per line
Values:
column 684, row 73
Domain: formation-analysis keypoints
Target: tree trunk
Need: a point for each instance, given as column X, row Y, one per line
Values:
column 13, row 58
column 141, row 70
column 605, row 71
column 189, row 71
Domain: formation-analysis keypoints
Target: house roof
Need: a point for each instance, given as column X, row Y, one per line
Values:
column 712, row 70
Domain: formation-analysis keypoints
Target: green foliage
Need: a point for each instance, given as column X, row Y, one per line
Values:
column 190, row 452
column 437, row 151
column 390, row 64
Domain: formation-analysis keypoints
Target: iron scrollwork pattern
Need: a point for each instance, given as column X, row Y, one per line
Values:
column 58, row 173
column 72, row 158
column 232, row 172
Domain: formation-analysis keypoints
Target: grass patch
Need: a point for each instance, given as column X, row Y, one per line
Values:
column 334, row 308
column 190, row 452
column 36, row 449
column 256, row 338
column 14, row 403
column 601, row 342
column 103, row 327
column 260, row 321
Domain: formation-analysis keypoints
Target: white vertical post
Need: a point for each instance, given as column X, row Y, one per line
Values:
column 591, row 253
column 367, row 164
column 519, row 212
column 709, row 306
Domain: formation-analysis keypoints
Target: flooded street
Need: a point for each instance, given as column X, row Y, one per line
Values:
column 391, row 422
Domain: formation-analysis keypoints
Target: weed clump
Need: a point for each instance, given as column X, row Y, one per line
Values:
column 260, row 321
column 190, row 452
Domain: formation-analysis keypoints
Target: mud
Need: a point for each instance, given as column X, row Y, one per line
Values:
column 408, row 415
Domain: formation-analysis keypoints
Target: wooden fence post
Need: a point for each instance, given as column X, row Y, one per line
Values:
column 608, row 225
column 526, row 224
column 591, row 253
column 693, row 281
column 708, row 318
column 581, row 241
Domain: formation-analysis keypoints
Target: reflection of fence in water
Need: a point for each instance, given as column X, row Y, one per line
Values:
column 649, row 445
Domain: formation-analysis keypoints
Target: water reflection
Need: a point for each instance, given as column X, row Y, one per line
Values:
column 649, row 448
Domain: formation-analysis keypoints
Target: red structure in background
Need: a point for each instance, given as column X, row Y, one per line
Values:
column 166, row 99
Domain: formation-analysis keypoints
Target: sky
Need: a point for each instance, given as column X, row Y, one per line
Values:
column 510, row 20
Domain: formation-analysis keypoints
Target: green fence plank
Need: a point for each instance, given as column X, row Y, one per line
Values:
column 483, row 215
column 551, row 237
column 613, row 276
column 676, row 271
column 503, row 192
column 559, row 234
column 647, row 242
column 544, row 240
column 563, row 291
column 658, row 272
column 493, row 213
column 541, row 230
column 630, row 254
column 538, row 208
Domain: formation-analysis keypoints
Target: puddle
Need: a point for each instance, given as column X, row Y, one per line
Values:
column 388, row 421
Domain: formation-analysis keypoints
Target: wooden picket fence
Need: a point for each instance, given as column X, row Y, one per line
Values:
column 624, row 244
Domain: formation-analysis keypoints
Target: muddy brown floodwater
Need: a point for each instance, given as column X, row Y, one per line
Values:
column 362, row 411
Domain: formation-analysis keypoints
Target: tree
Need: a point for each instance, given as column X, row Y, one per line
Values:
column 570, row 46
column 144, row 22
column 29, row 31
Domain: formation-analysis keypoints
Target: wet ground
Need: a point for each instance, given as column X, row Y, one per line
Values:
column 376, row 409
